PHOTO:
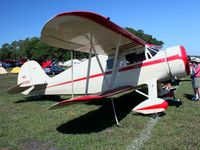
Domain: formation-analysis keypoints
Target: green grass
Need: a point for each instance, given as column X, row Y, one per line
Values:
column 27, row 124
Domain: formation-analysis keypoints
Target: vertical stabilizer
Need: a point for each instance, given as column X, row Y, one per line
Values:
column 31, row 73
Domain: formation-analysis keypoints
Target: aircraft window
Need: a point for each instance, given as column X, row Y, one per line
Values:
column 110, row 63
column 153, row 51
column 148, row 55
column 134, row 58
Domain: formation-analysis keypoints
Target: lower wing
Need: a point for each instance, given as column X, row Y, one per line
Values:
column 99, row 96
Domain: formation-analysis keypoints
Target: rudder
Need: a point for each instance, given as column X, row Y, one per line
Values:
column 31, row 73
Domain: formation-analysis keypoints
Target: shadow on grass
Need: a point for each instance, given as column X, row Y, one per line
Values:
column 184, row 80
column 55, row 98
column 102, row 118
column 176, row 103
column 188, row 96
column 161, row 114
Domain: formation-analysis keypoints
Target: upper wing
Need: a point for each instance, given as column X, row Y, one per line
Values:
column 86, row 98
column 76, row 30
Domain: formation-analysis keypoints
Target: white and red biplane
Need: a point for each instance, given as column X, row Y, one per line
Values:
column 121, row 63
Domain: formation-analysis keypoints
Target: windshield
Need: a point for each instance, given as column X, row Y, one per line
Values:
column 152, row 51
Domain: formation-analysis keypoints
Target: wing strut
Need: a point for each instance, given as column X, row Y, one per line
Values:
column 114, row 72
column 72, row 73
column 88, row 70
column 99, row 63
column 113, row 77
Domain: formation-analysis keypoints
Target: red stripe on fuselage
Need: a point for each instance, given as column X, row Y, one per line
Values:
column 131, row 67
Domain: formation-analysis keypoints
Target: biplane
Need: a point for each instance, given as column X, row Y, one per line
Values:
column 118, row 62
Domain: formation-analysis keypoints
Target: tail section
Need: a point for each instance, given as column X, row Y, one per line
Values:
column 31, row 75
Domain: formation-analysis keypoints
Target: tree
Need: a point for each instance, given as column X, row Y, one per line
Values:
column 14, row 47
column 146, row 37
column 41, row 51
column 5, row 52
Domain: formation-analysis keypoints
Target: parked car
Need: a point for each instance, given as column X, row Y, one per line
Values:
column 11, row 63
column 53, row 70
column 6, row 65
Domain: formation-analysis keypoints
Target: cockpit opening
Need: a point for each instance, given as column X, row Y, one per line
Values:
column 135, row 58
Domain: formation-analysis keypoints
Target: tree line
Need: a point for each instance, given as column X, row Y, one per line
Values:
column 34, row 49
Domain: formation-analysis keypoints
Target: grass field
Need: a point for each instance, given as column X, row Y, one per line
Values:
column 26, row 124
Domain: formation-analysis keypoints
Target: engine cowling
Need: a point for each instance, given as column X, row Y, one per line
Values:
column 177, row 61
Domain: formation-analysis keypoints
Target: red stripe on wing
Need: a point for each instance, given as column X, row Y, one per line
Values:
column 87, row 98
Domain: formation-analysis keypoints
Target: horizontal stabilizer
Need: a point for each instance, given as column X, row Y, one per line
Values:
column 152, row 106
column 87, row 98
column 17, row 89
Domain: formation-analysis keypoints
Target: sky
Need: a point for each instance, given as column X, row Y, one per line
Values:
column 175, row 22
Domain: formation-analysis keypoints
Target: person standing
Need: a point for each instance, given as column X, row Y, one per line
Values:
column 197, row 76
column 192, row 74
